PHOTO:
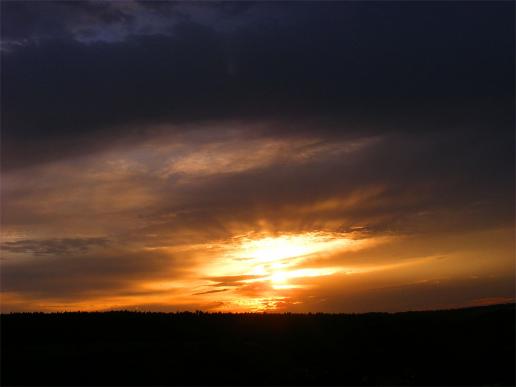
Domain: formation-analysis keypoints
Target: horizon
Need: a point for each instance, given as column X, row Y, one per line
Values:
column 265, row 312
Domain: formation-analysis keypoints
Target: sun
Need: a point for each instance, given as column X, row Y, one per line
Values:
column 275, row 258
column 279, row 248
column 258, row 270
column 278, row 277
column 271, row 249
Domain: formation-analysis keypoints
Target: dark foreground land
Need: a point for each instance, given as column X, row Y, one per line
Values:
column 474, row 346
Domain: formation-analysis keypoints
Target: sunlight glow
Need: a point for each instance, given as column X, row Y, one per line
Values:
column 271, row 249
column 257, row 270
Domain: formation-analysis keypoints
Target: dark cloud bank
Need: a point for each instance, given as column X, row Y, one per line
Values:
column 345, row 67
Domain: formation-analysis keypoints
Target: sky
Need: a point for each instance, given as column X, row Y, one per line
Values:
column 257, row 156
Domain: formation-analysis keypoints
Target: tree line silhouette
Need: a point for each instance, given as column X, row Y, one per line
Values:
column 473, row 346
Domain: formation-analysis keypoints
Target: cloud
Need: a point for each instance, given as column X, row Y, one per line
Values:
column 74, row 277
column 232, row 280
column 356, row 73
column 390, row 184
column 53, row 246
column 98, row 21
column 424, row 295
column 211, row 291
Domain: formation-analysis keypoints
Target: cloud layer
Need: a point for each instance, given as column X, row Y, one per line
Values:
column 141, row 141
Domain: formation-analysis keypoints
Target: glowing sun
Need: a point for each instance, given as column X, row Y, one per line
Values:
column 276, row 258
column 257, row 271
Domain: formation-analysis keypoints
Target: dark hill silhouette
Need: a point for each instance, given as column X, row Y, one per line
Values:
column 473, row 346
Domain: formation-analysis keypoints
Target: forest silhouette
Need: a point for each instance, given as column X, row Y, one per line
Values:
column 472, row 346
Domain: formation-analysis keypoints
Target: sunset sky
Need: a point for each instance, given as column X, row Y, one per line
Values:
column 288, row 156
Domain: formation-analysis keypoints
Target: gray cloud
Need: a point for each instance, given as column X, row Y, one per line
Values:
column 262, row 71
column 53, row 246
column 77, row 277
